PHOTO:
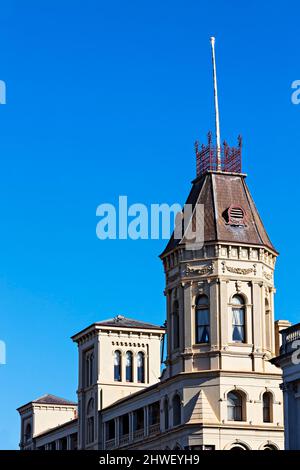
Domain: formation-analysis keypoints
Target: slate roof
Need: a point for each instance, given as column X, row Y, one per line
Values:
column 217, row 191
column 53, row 400
column 120, row 320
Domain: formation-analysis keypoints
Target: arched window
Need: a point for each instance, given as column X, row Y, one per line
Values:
column 141, row 367
column 235, row 406
column 202, row 319
column 129, row 372
column 117, row 366
column 175, row 321
column 238, row 319
column 166, row 413
column 176, row 405
column 28, row 432
column 267, row 400
column 90, row 422
column 268, row 323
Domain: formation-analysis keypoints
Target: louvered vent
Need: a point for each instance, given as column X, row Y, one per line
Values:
column 236, row 215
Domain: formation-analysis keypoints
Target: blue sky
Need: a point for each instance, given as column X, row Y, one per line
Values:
column 106, row 98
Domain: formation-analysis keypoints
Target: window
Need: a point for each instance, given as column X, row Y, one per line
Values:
column 238, row 319
column 268, row 323
column 89, row 368
column 27, row 432
column 124, row 425
column 90, row 423
column 110, row 430
column 202, row 320
column 129, row 376
column 166, row 413
column 176, row 405
column 117, row 366
column 235, row 406
column 154, row 413
column 138, row 419
column 175, row 321
column 267, row 407
column 141, row 367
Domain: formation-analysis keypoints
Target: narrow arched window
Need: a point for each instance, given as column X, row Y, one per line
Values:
column 202, row 320
column 141, row 367
column 238, row 319
column 267, row 407
column 268, row 324
column 175, row 322
column 176, row 405
column 117, row 366
column 28, row 432
column 234, row 406
column 129, row 372
column 90, row 422
column 166, row 413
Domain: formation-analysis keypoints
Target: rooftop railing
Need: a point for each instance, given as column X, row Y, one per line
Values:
column 225, row 159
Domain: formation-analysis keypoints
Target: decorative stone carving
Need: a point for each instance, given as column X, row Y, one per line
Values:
column 198, row 270
column 243, row 271
column 268, row 276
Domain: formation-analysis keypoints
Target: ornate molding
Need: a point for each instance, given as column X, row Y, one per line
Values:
column 243, row 271
column 198, row 270
column 268, row 276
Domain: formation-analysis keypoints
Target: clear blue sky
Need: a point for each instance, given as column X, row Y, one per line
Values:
column 106, row 98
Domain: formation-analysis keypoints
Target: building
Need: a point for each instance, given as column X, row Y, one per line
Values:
column 219, row 389
column 289, row 361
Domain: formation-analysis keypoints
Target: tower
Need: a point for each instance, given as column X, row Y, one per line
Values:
column 220, row 305
column 117, row 357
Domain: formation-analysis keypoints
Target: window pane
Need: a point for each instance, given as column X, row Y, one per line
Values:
column 129, row 367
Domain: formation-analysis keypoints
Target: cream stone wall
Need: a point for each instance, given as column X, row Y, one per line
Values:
column 42, row 417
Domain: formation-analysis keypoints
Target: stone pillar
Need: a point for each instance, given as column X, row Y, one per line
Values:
column 146, row 421
column 188, row 333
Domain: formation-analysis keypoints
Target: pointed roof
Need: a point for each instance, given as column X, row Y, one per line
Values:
column 218, row 192
column 202, row 411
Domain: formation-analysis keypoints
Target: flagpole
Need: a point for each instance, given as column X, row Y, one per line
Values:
column 217, row 117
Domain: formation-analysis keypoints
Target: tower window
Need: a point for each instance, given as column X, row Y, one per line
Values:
column 175, row 321
column 90, row 423
column 89, row 368
column 202, row 319
column 27, row 432
column 238, row 319
column 267, row 407
column 117, row 366
column 235, row 406
column 141, row 367
column 129, row 372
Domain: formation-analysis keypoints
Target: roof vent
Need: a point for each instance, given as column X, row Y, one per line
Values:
column 235, row 215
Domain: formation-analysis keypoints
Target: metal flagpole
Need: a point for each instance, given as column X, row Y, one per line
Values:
column 217, row 118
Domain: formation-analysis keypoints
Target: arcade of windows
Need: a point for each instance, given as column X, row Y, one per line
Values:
column 202, row 321
column 139, row 364
column 236, row 406
column 135, row 423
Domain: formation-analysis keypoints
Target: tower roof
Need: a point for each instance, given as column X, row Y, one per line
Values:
column 230, row 215
column 121, row 321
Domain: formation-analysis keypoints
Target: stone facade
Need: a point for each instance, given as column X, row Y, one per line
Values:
column 218, row 389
